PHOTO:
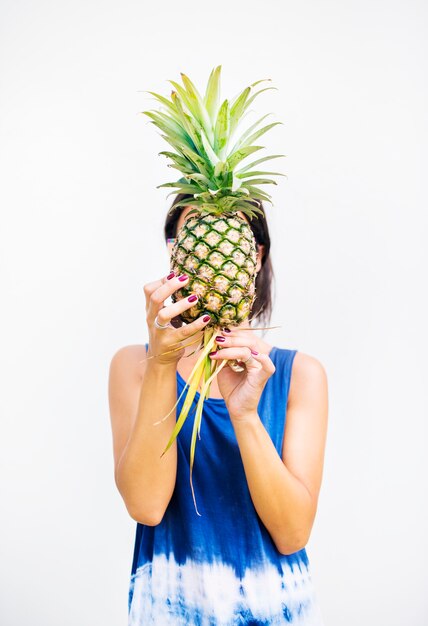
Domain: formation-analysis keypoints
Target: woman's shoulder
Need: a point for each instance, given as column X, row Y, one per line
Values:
column 308, row 374
column 301, row 360
column 308, row 364
column 128, row 360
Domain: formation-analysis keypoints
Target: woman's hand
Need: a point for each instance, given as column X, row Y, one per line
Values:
column 162, row 341
column 242, row 390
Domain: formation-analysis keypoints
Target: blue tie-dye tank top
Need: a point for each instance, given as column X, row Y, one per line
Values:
column 221, row 568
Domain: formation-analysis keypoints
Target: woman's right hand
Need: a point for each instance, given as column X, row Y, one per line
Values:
column 162, row 340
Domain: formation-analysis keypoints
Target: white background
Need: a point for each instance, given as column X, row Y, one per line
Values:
column 81, row 232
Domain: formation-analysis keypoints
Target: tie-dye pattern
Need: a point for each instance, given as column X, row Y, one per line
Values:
column 220, row 569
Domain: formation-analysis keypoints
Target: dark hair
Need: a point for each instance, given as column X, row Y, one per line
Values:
column 262, row 306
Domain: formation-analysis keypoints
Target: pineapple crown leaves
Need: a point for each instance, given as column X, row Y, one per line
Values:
column 203, row 131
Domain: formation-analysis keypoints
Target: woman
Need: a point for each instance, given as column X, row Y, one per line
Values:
column 257, row 474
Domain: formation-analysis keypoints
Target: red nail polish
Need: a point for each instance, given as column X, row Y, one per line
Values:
column 206, row 318
column 254, row 352
column 220, row 339
column 212, row 353
column 192, row 298
column 170, row 276
column 183, row 277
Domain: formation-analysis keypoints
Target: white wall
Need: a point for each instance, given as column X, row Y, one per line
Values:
column 82, row 232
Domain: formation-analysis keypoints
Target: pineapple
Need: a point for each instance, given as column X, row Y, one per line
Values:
column 218, row 254
column 216, row 246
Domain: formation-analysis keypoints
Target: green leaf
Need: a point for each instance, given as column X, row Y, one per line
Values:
column 220, row 169
column 263, row 181
column 242, row 153
column 201, row 180
column 181, row 169
column 178, row 191
column 187, row 189
column 257, row 193
column 257, row 82
column 242, row 102
column 202, row 114
column 198, row 417
column 168, row 126
column 185, row 97
column 175, row 140
column 189, row 124
column 186, row 405
column 199, row 161
column 212, row 93
column 237, row 108
column 195, row 377
column 182, row 186
column 195, row 430
column 221, row 132
column 248, row 208
column 180, row 161
column 235, row 183
column 175, row 156
column 164, row 101
column 241, row 140
column 210, row 153
column 209, row 365
column 258, row 173
column 249, row 140
column 184, row 202
column 199, row 164
column 262, row 160
column 188, row 100
column 248, row 102
column 205, row 149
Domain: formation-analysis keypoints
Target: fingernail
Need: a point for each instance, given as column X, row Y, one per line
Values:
column 212, row 353
column 183, row 277
column 192, row 298
column 220, row 339
column 170, row 276
column 206, row 318
column 254, row 352
column 226, row 330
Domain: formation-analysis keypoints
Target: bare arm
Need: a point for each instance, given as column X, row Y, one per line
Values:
column 137, row 400
column 144, row 480
column 285, row 490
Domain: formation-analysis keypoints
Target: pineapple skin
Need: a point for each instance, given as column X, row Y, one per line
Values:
column 218, row 253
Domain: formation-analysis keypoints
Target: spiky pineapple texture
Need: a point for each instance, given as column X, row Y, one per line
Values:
column 218, row 253
column 216, row 247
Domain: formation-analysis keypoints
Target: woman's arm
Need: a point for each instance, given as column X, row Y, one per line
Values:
column 285, row 490
column 144, row 480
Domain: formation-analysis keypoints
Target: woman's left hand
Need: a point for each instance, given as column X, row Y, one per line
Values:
column 242, row 390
